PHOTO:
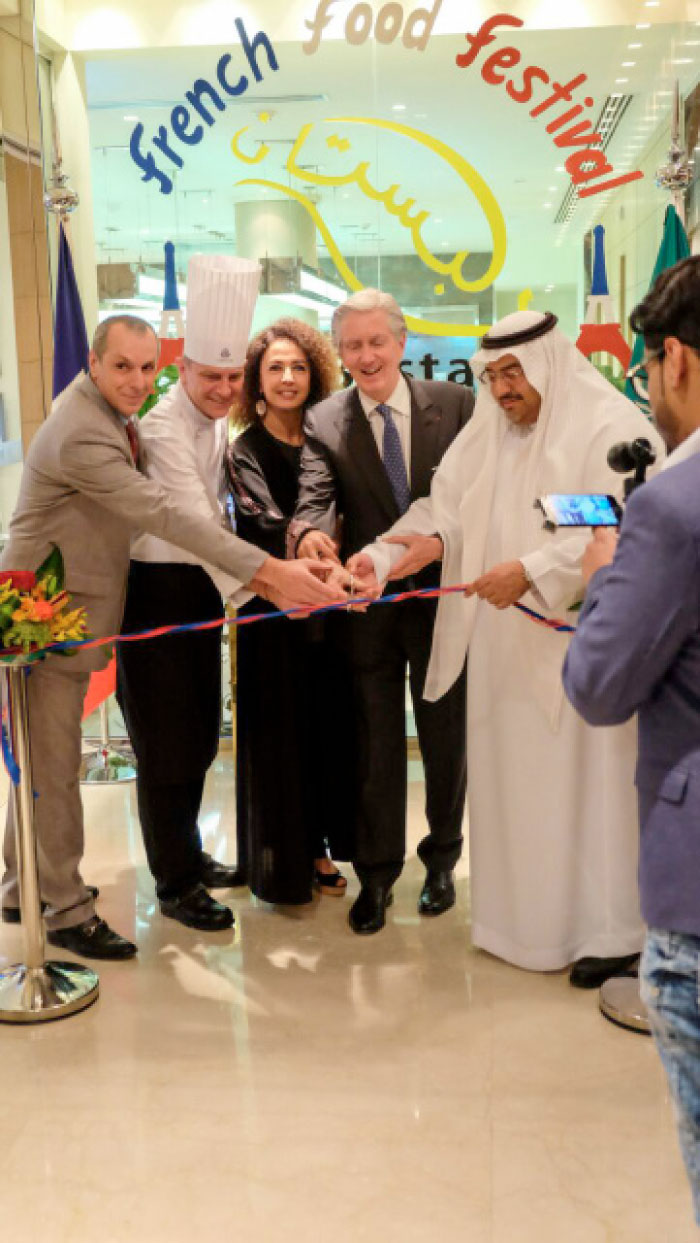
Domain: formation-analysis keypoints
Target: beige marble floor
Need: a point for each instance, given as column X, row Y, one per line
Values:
column 297, row 1082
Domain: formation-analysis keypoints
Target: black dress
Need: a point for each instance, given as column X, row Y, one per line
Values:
column 294, row 766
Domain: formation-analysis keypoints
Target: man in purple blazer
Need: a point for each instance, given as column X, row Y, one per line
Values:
column 637, row 649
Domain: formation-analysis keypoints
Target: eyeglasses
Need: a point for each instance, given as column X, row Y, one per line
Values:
column 638, row 375
column 512, row 374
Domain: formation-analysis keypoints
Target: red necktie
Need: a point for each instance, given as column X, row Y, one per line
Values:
column 133, row 439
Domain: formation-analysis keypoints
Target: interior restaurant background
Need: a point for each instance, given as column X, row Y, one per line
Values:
column 437, row 150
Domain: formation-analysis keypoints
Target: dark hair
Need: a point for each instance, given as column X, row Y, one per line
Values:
column 132, row 322
column 672, row 307
column 319, row 353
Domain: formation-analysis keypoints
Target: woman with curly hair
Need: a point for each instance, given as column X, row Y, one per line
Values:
column 294, row 735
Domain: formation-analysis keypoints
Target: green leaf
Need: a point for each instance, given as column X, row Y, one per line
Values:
column 164, row 380
column 53, row 569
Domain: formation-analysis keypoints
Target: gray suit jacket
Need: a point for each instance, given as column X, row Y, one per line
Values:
column 342, row 471
column 81, row 491
column 637, row 649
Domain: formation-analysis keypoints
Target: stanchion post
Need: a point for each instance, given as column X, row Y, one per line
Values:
column 620, row 1001
column 22, row 796
column 113, row 761
column 35, row 990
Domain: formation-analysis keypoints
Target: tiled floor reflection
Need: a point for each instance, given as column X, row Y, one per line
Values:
column 297, row 1082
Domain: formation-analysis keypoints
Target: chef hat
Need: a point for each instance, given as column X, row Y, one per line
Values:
column 221, row 295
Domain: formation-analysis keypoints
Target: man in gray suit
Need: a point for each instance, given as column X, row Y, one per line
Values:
column 637, row 649
column 370, row 451
column 81, row 491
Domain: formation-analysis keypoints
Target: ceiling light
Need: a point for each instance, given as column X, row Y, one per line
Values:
column 619, row 81
column 131, row 118
column 682, row 60
column 643, row 26
column 628, row 64
column 398, row 107
column 546, row 204
column 633, row 45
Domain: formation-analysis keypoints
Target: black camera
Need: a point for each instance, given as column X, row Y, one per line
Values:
column 632, row 455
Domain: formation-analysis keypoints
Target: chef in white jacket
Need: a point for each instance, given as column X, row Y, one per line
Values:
column 552, row 808
column 170, row 688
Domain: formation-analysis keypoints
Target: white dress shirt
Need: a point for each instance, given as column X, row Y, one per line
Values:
column 183, row 452
column 687, row 448
column 384, row 555
column 400, row 405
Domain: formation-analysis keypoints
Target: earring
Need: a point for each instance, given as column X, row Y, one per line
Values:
column 261, row 407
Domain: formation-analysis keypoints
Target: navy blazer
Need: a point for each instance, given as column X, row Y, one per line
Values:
column 637, row 649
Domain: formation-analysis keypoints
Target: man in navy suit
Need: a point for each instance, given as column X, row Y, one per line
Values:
column 637, row 649
column 370, row 450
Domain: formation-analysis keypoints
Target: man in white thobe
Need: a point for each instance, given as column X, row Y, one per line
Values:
column 553, row 841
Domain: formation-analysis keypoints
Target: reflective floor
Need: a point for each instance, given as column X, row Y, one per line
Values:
column 295, row 1082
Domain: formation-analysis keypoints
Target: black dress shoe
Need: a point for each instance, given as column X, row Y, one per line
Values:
column 215, row 875
column 92, row 939
column 437, row 894
column 11, row 914
column 197, row 909
column 592, row 972
column 368, row 911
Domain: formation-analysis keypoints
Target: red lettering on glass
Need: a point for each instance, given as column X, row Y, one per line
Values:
column 584, row 165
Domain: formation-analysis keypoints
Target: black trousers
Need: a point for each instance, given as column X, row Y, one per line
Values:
column 169, row 690
column 383, row 643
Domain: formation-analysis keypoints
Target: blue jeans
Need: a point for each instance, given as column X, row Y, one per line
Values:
column 670, row 988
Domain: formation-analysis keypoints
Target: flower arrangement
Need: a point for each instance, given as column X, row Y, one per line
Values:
column 34, row 608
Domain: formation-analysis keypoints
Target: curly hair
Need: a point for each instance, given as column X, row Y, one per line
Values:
column 319, row 353
column 672, row 307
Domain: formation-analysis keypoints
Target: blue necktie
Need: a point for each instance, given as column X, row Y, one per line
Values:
column 392, row 456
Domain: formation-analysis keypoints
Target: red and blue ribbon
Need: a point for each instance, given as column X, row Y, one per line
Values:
column 429, row 593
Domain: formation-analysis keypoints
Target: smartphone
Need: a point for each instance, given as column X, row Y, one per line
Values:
column 579, row 509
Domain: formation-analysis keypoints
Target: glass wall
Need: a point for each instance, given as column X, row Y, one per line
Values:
column 457, row 158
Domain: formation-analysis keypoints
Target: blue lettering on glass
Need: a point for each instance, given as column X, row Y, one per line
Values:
column 205, row 101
